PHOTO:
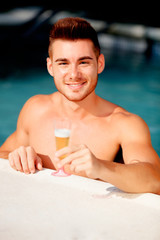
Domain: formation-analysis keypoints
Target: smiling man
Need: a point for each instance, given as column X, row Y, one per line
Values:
column 101, row 130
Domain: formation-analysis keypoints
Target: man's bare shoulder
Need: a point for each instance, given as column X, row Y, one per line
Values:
column 130, row 125
column 39, row 99
column 35, row 107
column 123, row 116
column 40, row 102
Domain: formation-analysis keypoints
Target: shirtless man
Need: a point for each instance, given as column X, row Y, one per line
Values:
column 100, row 129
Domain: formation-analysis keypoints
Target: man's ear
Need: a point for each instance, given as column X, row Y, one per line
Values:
column 101, row 63
column 49, row 66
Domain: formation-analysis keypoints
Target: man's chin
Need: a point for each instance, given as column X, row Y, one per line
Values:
column 76, row 97
column 73, row 99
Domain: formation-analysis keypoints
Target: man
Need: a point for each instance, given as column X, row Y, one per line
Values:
column 100, row 129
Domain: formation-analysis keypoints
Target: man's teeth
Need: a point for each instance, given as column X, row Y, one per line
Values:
column 76, row 84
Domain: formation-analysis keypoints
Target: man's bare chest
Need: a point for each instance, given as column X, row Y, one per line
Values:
column 98, row 138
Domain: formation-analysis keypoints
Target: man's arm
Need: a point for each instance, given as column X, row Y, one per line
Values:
column 142, row 165
column 141, row 171
column 7, row 146
column 133, row 178
column 16, row 148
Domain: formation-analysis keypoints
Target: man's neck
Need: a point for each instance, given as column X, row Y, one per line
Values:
column 80, row 108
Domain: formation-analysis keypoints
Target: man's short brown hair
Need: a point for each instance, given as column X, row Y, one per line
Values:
column 73, row 28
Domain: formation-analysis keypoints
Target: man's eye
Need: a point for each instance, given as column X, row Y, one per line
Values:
column 62, row 63
column 84, row 62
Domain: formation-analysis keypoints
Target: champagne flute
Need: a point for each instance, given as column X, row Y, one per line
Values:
column 62, row 130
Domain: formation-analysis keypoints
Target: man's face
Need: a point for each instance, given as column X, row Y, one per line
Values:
column 75, row 68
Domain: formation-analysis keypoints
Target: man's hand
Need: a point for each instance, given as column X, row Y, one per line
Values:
column 25, row 159
column 80, row 159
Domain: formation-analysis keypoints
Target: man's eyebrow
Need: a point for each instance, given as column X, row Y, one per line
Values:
column 85, row 58
column 80, row 59
column 61, row 60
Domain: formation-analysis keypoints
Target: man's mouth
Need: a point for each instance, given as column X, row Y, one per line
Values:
column 75, row 85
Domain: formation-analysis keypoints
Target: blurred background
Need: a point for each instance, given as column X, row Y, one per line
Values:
column 129, row 36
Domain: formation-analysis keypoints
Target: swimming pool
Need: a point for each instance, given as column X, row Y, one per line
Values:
column 129, row 80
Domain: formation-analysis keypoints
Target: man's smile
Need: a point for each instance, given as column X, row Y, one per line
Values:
column 76, row 85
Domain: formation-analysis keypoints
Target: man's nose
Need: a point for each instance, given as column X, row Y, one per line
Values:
column 74, row 72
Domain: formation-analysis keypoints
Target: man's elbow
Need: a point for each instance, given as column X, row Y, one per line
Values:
column 156, row 188
column 152, row 183
column 155, row 184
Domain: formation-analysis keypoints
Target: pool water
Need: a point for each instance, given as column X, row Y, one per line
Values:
column 130, row 81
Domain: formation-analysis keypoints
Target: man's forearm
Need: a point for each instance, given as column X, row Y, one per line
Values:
column 136, row 178
column 4, row 154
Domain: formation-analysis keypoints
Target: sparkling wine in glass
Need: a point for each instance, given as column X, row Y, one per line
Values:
column 62, row 130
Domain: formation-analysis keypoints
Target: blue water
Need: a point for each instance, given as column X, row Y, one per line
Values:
column 129, row 81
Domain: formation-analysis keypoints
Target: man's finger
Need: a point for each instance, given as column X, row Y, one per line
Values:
column 24, row 161
column 17, row 161
column 11, row 160
column 38, row 163
column 62, row 151
column 68, row 150
column 75, row 158
column 31, row 156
